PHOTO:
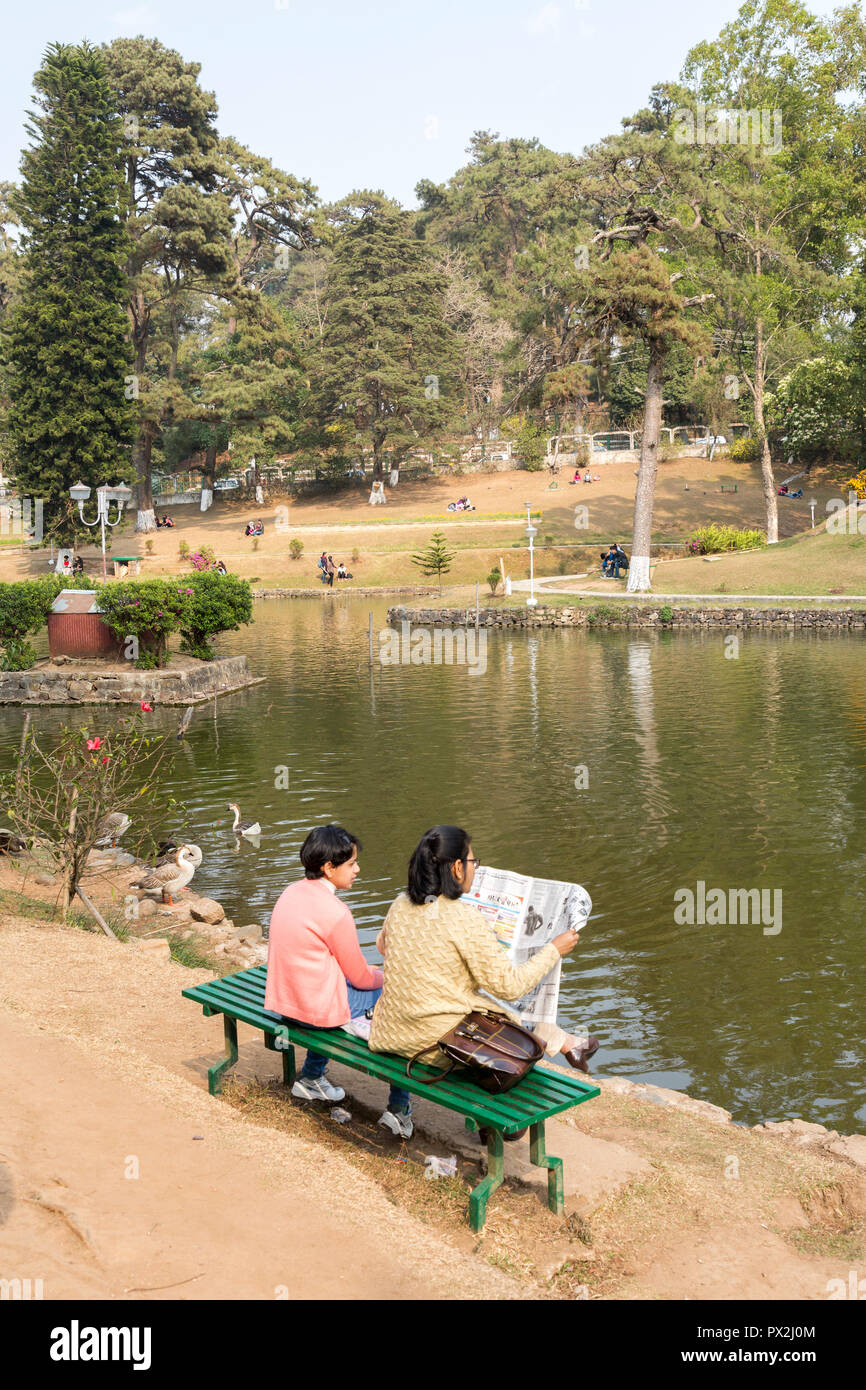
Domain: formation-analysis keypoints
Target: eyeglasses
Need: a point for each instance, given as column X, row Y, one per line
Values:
column 476, row 862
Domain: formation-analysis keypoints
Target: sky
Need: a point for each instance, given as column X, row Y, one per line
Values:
column 353, row 94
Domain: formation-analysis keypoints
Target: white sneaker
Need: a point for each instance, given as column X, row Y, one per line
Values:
column 400, row 1126
column 306, row 1089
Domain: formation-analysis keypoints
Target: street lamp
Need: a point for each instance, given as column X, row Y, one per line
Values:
column 105, row 495
column 531, row 532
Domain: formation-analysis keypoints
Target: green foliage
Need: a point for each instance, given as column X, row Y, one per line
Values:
column 386, row 352
column 494, row 579
column 747, row 449
column 183, row 550
column 666, row 613
column 24, row 609
column 436, row 559
column 812, row 411
column 66, row 353
column 146, row 609
column 713, row 539
column 217, row 603
column 296, row 548
column 530, row 439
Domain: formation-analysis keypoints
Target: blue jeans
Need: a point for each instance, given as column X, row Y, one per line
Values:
column 360, row 1000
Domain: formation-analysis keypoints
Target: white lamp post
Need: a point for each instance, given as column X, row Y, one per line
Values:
column 531, row 532
column 105, row 495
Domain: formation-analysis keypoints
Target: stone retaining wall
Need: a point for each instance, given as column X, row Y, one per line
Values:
column 627, row 615
column 93, row 683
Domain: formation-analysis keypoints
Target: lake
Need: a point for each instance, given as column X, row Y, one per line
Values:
column 639, row 765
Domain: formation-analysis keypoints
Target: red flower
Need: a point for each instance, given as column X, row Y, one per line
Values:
column 94, row 743
column 146, row 707
column 105, row 759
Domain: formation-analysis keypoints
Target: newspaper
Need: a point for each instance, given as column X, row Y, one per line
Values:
column 526, row 913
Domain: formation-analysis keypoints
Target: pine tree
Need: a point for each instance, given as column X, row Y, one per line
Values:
column 436, row 559
column 65, row 352
column 386, row 358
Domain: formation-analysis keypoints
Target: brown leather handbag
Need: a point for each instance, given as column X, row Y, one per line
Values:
column 496, row 1052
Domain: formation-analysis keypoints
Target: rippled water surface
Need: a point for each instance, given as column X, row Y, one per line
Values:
column 741, row 773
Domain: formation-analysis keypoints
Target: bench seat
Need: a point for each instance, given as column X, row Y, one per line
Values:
column 240, row 998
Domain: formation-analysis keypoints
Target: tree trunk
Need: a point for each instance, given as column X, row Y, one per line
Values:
column 146, row 519
column 639, row 564
column 768, row 482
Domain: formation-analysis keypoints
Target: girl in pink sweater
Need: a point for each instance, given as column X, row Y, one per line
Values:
column 316, row 972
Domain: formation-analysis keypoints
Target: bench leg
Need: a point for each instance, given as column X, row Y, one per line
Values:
column 289, row 1066
column 540, row 1157
column 214, row 1075
column 495, row 1174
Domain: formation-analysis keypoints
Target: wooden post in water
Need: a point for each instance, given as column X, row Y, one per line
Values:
column 476, row 605
column 370, row 635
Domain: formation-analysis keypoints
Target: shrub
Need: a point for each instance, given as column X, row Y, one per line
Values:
column 148, row 545
column 148, row 610
column 24, row 609
column 530, row 439
column 356, row 555
column 745, row 450
column 296, row 548
column 207, row 553
column 666, row 613
column 182, row 550
column 494, row 578
column 212, row 603
column 713, row 540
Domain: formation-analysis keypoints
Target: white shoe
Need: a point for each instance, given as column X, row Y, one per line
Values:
column 400, row 1126
column 307, row 1089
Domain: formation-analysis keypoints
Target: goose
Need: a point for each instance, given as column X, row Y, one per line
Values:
column 167, row 850
column 170, row 877
column 10, row 843
column 115, row 824
column 244, row 827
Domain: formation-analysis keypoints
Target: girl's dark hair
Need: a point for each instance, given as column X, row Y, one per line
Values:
column 327, row 844
column 430, row 866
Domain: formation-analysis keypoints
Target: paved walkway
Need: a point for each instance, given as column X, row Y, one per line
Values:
column 542, row 586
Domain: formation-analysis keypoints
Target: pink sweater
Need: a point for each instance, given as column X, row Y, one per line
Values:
column 312, row 951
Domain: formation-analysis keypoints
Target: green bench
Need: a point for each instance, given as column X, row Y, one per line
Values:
column 241, row 999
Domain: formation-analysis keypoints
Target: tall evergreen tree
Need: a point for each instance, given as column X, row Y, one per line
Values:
column 386, row 359
column 178, row 220
column 65, row 351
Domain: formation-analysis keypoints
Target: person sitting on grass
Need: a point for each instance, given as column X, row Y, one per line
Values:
column 439, row 953
column 618, row 561
column 317, row 975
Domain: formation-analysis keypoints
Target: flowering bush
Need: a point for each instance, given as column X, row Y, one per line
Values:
column 212, row 603
column 148, row 610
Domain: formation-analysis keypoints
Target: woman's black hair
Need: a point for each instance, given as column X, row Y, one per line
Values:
column 430, row 873
column 327, row 844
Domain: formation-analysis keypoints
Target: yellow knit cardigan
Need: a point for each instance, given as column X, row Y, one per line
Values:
column 437, row 956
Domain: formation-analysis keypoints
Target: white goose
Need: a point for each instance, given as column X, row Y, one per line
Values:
column 115, row 824
column 244, row 827
column 170, row 877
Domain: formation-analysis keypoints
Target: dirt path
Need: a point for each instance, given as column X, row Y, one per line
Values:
column 105, row 1075
column 119, row 1179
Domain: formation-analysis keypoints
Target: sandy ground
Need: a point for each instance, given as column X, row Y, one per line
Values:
column 688, row 494
column 107, row 1192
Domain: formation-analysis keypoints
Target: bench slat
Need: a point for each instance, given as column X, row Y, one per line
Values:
column 541, row 1094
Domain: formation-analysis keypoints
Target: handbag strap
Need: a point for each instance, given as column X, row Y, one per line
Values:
column 427, row 1080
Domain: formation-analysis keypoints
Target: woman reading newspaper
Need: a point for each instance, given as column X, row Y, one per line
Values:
column 439, row 953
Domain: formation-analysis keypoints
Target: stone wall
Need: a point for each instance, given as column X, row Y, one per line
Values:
column 70, row 682
column 628, row 615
